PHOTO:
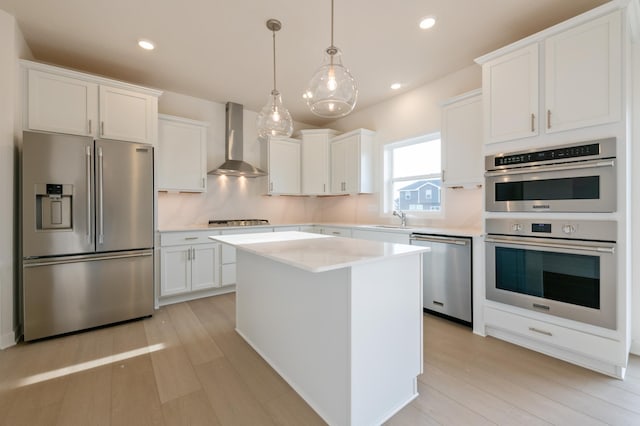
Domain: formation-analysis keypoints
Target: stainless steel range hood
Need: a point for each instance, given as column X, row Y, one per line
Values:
column 234, row 164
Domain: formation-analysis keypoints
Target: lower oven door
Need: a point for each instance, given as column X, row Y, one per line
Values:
column 566, row 278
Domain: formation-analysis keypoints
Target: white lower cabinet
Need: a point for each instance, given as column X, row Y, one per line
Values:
column 389, row 237
column 189, row 265
column 228, row 255
column 335, row 231
column 602, row 353
column 189, row 268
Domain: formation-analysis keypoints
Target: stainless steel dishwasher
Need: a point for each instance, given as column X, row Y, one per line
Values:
column 446, row 276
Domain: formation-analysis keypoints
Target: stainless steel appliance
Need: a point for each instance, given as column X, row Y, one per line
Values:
column 87, row 232
column 234, row 164
column 570, row 178
column 565, row 268
column 446, row 275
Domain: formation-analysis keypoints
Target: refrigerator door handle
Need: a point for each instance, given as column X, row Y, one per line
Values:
column 100, row 198
column 88, row 157
column 32, row 263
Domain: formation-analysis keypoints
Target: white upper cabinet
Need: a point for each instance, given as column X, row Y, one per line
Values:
column 510, row 85
column 578, row 84
column 283, row 158
column 315, row 161
column 181, row 156
column 462, row 160
column 66, row 101
column 127, row 115
column 352, row 162
column 61, row 104
column 583, row 75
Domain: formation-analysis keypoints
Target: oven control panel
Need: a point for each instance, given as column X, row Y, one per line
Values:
column 601, row 230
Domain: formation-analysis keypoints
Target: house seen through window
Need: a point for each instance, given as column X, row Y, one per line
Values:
column 413, row 175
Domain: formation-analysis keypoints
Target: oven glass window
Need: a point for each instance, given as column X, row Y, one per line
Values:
column 576, row 188
column 569, row 278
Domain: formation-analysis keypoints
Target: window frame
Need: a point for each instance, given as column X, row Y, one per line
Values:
column 386, row 200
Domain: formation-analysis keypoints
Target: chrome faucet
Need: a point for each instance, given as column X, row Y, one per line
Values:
column 402, row 215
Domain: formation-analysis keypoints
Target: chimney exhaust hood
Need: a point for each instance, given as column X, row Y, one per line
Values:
column 234, row 164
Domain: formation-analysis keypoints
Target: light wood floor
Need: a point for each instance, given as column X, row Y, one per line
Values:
column 187, row 366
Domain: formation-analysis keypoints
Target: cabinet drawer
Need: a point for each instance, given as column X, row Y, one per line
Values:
column 228, row 274
column 189, row 237
column 585, row 344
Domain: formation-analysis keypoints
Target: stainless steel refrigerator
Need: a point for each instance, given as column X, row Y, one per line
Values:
column 87, row 232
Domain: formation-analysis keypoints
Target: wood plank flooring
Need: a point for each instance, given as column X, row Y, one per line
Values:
column 187, row 366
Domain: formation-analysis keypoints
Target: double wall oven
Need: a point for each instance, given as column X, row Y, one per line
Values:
column 543, row 262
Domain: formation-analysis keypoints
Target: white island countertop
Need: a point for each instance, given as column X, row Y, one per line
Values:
column 315, row 252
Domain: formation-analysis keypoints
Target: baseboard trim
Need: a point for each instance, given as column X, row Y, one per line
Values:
column 7, row 340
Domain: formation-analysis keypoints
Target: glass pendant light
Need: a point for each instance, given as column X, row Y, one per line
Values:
column 274, row 119
column 332, row 91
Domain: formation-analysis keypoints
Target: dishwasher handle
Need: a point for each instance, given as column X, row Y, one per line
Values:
column 438, row 239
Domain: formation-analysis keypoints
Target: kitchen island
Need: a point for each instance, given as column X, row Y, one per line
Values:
column 339, row 319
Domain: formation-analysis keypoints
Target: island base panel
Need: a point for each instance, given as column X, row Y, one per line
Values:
column 349, row 340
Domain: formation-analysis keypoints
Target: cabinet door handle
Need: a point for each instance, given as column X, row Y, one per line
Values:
column 193, row 257
column 102, row 128
column 190, row 238
column 536, row 330
column 548, row 119
column 90, row 127
column 443, row 179
column 203, row 182
column 324, row 187
column 189, row 253
column 435, row 302
column 270, row 186
column 533, row 124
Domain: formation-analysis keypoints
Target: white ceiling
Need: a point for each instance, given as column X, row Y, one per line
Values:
column 221, row 50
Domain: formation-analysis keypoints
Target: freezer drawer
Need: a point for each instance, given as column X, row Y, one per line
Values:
column 68, row 294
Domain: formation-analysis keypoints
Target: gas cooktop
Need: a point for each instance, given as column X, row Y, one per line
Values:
column 237, row 222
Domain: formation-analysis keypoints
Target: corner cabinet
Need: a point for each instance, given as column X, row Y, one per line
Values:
column 65, row 101
column 181, row 156
column 462, row 159
column 580, row 84
column 283, row 166
column 352, row 162
column 315, row 161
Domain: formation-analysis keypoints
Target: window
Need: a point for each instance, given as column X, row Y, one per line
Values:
column 413, row 176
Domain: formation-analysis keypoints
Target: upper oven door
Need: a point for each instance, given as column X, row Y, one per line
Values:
column 571, row 279
column 586, row 186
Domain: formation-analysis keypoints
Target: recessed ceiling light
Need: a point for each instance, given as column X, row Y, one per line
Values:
column 396, row 86
column 427, row 22
column 146, row 44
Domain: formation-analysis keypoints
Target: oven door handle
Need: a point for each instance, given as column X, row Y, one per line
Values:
column 556, row 167
column 596, row 249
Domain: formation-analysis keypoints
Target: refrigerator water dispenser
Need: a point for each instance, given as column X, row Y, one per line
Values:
column 53, row 206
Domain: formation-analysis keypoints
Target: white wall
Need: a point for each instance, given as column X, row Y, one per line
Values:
column 12, row 46
column 414, row 113
column 226, row 197
column 635, row 207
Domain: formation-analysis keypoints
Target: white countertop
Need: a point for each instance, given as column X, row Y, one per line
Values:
column 462, row 232
column 315, row 252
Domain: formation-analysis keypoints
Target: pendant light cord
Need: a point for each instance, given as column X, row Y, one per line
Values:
column 332, row 23
column 274, row 60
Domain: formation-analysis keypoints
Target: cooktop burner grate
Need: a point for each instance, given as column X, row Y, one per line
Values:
column 238, row 222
